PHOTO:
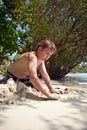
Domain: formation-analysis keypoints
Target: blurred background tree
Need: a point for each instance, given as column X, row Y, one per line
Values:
column 25, row 22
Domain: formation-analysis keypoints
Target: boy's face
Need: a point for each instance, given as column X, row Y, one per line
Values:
column 44, row 54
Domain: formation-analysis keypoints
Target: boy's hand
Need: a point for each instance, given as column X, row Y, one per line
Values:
column 53, row 96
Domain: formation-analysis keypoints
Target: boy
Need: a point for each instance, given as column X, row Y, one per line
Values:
column 28, row 64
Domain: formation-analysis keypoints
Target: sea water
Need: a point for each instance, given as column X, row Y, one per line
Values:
column 77, row 78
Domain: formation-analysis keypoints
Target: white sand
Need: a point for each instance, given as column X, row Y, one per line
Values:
column 44, row 115
column 68, row 113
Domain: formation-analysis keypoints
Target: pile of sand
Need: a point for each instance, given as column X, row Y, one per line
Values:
column 12, row 93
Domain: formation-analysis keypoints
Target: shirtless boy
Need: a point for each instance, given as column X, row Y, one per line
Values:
column 28, row 64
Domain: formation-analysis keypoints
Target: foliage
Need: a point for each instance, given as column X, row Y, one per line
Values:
column 4, row 65
column 80, row 68
column 8, row 33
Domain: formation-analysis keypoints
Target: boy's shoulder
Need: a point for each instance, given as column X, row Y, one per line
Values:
column 32, row 56
column 29, row 54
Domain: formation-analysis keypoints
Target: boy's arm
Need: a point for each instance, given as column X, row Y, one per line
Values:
column 47, row 80
column 45, row 76
column 32, row 68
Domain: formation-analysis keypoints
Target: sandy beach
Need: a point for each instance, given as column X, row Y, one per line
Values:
column 38, row 113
